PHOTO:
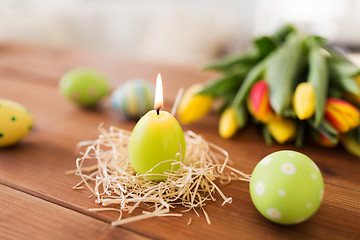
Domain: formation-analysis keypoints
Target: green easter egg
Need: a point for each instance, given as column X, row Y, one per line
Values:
column 84, row 86
column 286, row 187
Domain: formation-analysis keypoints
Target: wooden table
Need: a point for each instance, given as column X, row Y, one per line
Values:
column 36, row 197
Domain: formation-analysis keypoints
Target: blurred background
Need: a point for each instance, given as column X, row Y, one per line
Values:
column 187, row 32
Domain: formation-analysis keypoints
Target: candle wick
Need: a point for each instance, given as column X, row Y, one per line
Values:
column 158, row 111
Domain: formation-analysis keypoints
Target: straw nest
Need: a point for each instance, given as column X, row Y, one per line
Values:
column 117, row 187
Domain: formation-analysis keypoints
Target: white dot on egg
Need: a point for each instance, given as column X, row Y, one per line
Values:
column 291, row 154
column 273, row 213
column 282, row 192
column 259, row 189
column 313, row 176
column 265, row 161
column 288, row 168
column 309, row 205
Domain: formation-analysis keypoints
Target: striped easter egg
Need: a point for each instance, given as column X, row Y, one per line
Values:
column 133, row 98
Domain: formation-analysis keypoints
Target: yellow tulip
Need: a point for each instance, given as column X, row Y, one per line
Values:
column 231, row 120
column 282, row 129
column 193, row 106
column 228, row 123
column 304, row 100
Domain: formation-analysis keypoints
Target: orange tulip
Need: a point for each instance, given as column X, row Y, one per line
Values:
column 342, row 115
column 259, row 104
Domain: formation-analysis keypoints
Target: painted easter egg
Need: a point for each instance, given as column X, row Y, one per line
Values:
column 84, row 86
column 134, row 98
column 15, row 122
column 286, row 187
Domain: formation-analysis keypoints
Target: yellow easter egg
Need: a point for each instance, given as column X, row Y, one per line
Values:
column 15, row 122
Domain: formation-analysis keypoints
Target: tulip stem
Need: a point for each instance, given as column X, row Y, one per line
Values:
column 267, row 135
column 299, row 139
column 253, row 75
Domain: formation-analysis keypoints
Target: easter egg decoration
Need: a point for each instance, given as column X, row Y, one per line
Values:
column 286, row 187
column 134, row 98
column 84, row 86
column 15, row 122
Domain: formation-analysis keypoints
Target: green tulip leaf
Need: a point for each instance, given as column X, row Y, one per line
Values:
column 254, row 75
column 318, row 77
column 241, row 115
column 281, row 72
column 265, row 45
column 267, row 136
column 283, row 32
column 222, row 86
column 343, row 72
column 227, row 63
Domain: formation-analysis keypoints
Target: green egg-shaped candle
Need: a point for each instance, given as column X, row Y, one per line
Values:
column 155, row 139
column 157, row 142
column 286, row 187
column 84, row 86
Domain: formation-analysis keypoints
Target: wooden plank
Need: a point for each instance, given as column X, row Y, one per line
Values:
column 38, row 163
column 27, row 217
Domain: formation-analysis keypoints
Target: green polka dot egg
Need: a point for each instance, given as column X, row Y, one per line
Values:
column 15, row 122
column 134, row 98
column 286, row 187
column 84, row 86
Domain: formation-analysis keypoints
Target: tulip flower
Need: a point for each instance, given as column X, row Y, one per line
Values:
column 259, row 104
column 231, row 120
column 282, row 129
column 304, row 100
column 352, row 97
column 193, row 105
column 342, row 115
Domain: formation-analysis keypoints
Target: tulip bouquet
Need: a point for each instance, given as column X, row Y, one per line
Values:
column 290, row 83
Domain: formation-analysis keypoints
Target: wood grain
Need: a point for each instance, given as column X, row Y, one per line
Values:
column 27, row 217
column 29, row 75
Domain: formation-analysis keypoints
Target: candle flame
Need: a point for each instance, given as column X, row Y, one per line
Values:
column 159, row 101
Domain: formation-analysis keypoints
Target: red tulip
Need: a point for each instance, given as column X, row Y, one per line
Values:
column 259, row 103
